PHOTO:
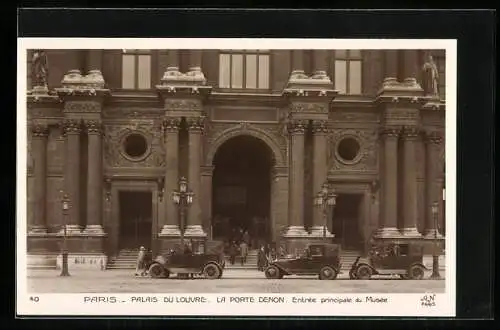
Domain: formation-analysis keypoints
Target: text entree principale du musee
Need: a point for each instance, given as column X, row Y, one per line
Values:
column 232, row 300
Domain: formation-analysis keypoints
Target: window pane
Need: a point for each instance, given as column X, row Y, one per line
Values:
column 128, row 71
column 144, row 72
column 237, row 71
column 355, row 77
column 341, row 76
column 340, row 53
column 224, row 70
column 251, row 71
column 264, row 71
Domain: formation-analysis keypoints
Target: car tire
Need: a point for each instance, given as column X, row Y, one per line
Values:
column 363, row 272
column 273, row 272
column 157, row 271
column 416, row 272
column 327, row 273
column 211, row 271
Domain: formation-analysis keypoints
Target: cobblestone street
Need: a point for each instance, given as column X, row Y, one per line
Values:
column 120, row 281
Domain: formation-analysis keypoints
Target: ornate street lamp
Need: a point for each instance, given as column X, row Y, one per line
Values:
column 65, row 208
column 325, row 200
column 183, row 198
column 435, row 257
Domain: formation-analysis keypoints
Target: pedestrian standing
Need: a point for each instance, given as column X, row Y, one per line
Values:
column 233, row 251
column 243, row 252
column 261, row 259
column 139, row 268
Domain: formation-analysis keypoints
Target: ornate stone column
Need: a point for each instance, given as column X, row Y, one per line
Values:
column 432, row 181
column 391, row 66
column 72, row 130
column 296, row 200
column 388, row 220
column 94, row 179
column 410, row 134
column 170, row 223
column 194, row 224
column 410, row 66
column 320, row 63
column 297, row 61
column 320, row 131
column 39, row 146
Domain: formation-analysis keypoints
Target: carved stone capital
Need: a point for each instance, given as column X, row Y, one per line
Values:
column 93, row 126
column 410, row 133
column 297, row 126
column 320, row 126
column 71, row 126
column 433, row 137
column 390, row 132
column 195, row 124
column 39, row 130
column 171, row 124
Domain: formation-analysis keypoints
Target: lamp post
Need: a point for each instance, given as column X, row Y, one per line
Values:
column 65, row 208
column 435, row 258
column 183, row 198
column 325, row 200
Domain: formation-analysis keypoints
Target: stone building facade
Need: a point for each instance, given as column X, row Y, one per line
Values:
column 115, row 130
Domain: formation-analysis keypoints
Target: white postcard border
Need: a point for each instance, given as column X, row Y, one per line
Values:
column 397, row 305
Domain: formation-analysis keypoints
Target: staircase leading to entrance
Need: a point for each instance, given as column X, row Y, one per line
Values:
column 250, row 264
column 347, row 258
column 126, row 259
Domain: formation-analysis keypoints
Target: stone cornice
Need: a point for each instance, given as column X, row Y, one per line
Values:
column 75, row 84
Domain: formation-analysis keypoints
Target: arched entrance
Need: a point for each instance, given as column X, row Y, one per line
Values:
column 241, row 189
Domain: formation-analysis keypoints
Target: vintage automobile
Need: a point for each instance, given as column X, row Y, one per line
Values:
column 318, row 259
column 209, row 264
column 390, row 258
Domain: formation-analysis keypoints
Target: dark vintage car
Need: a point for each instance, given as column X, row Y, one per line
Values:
column 390, row 258
column 209, row 264
column 319, row 259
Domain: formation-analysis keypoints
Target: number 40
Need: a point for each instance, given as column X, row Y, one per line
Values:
column 35, row 299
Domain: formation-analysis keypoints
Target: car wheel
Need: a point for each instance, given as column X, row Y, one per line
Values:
column 156, row 271
column 363, row 272
column 416, row 272
column 327, row 273
column 273, row 272
column 211, row 271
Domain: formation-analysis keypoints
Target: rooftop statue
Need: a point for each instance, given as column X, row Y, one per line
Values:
column 39, row 68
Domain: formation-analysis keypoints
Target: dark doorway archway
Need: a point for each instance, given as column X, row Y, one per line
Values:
column 241, row 190
column 346, row 221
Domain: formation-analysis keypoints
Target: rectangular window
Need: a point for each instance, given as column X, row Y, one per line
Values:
column 136, row 69
column 348, row 71
column 244, row 69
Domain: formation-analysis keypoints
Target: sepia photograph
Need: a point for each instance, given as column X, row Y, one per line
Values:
column 293, row 170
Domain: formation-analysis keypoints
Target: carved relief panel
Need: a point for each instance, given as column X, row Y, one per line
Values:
column 353, row 150
column 138, row 143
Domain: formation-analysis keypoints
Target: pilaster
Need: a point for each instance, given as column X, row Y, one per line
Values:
column 433, row 186
column 39, row 133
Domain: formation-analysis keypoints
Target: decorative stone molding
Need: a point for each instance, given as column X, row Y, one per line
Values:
column 196, row 124
column 72, row 126
column 82, row 106
column 114, row 154
column 39, row 130
column 297, row 126
column 183, row 105
column 433, row 137
column 270, row 134
column 390, row 132
column 319, row 126
column 300, row 84
column 309, row 107
column 410, row 133
column 93, row 126
column 367, row 156
column 171, row 124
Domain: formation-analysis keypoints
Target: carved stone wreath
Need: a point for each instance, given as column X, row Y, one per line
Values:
column 367, row 157
column 115, row 155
